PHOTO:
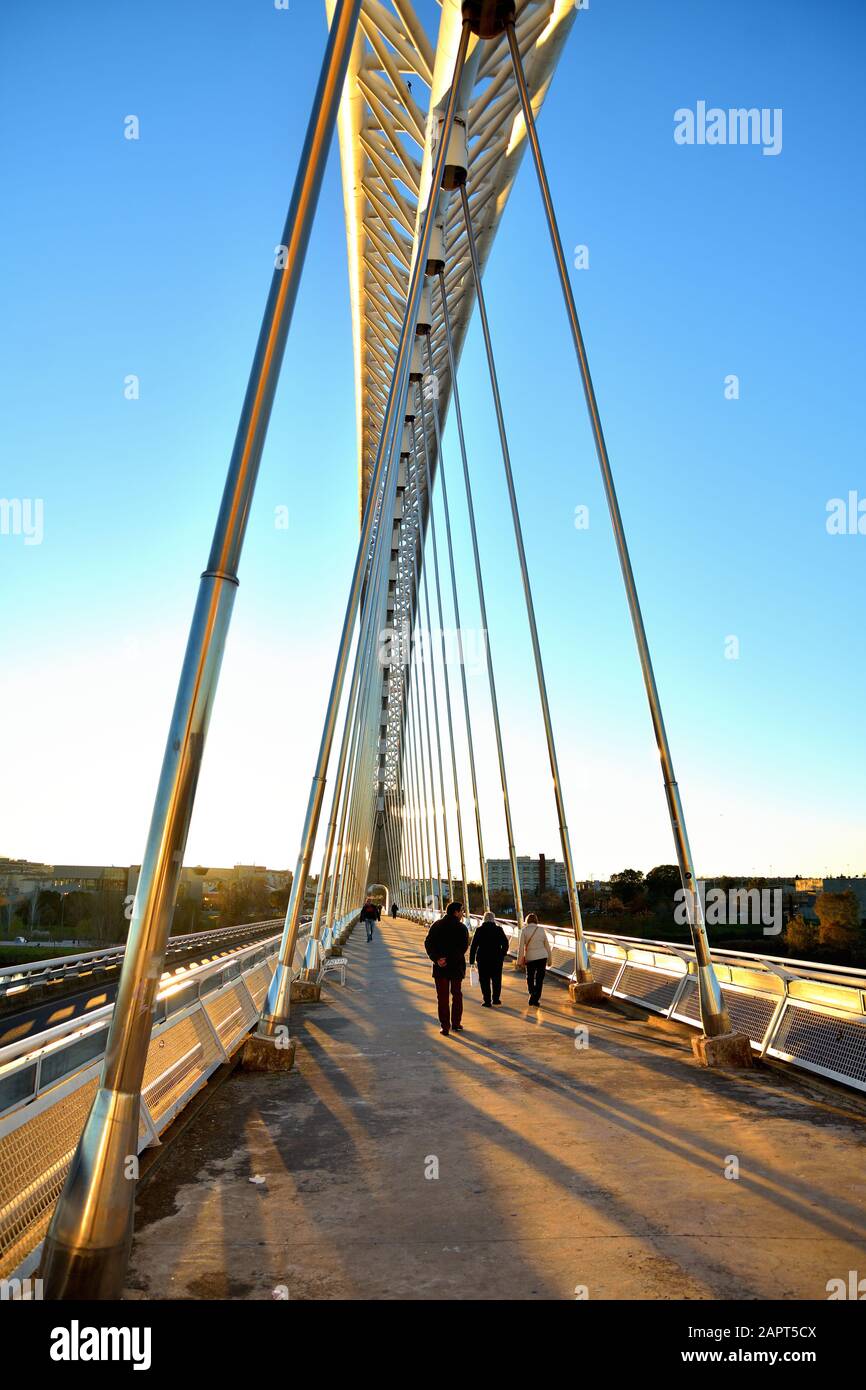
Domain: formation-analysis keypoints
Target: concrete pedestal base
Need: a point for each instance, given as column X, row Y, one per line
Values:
column 303, row 991
column 727, row 1050
column 263, row 1054
column 589, row 992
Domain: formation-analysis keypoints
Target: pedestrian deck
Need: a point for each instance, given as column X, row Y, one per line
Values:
column 558, row 1169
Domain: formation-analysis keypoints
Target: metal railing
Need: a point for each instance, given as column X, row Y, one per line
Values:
column 47, row 1083
column 809, row 1015
column 19, row 979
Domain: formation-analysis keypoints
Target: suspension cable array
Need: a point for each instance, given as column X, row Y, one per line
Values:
column 392, row 812
column 394, row 795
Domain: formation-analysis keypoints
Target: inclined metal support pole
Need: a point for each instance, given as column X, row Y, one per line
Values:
column 362, row 657
column 87, row 1246
column 324, row 872
column 714, row 1014
column 408, row 769
column 431, row 645
column 275, row 1012
column 397, row 831
column 405, row 794
column 410, row 581
column 364, row 665
column 491, row 679
column 420, row 680
column 440, row 473
column 582, row 970
column 421, row 800
column 394, row 854
column 413, row 824
column 398, row 799
column 427, row 763
column 461, row 653
column 337, row 879
column 364, row 794
column 436, row 727
column 346, row 839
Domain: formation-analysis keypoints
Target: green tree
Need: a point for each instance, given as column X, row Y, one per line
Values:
column 662, row 884
column 839, row 916
column 801, row 935
column 627, row 884
column 279, row 900
column 47, row 912
column 475, row 896
column 246, row 901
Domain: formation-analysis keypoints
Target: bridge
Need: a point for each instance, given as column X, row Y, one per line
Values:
column 309, row 1059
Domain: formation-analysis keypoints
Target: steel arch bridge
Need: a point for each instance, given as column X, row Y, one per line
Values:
column 432, row 130
column 392, row 106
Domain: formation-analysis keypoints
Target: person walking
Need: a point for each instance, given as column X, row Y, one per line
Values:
column 446, row 944
column 533, row 951
column 395, row 909
column 370, row 913
column 489, row 949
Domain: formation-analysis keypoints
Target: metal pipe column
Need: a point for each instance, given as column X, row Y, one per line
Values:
column 362, row 655
column 512, row 854
column 420, row 579
column 435, row 547
column 275, row 1012
column 582, row 971
column 429, row 482
column 714, row 1014
column 438, row 738
column 87, row 1246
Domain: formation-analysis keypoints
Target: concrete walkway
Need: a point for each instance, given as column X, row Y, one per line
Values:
column 558, row 1169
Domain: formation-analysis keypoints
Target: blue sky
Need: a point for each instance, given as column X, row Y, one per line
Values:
column 153, row 257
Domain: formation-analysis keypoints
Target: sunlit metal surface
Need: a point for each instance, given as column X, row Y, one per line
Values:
column 47, row 1083
column 397, row 81
column 809, row 1015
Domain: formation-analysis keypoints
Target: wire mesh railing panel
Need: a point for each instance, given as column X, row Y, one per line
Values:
column 181, row 1056
column 46, row 1105
column 829, row 1044
column 649, row 987
column 34, row 1157
column 232, row 1014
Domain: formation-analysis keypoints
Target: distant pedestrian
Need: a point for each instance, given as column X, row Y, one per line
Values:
column 370, row 913
column 489, row 948
column 533, row 951
column 446, row 944
column 395, row 910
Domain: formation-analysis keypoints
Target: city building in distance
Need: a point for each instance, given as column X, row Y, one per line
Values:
column 541, row 875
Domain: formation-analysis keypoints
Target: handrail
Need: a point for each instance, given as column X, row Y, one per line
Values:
column 63, row 964
column 806, row 1014
column 74, row 1028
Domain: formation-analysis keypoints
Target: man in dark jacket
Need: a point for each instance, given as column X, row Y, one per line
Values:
column 446, row 944
column 368, row 915
column 489, row 948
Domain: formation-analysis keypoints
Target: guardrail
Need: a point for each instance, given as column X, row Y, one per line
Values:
column 47, row 1083
column 809, row 1015
column 19, row 979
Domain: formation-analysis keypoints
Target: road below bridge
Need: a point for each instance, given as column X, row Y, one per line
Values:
column 559, row 1169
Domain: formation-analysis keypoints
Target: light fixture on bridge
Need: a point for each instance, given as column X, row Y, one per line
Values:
column 488, row 18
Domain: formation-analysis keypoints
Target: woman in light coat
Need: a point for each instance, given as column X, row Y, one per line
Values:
column 533, row 951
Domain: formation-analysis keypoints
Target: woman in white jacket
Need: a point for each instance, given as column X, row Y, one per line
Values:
column 533, row 951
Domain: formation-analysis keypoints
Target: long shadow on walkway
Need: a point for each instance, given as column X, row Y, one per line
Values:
column 502, row 1162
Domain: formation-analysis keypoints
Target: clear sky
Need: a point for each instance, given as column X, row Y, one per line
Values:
column 153, row 257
